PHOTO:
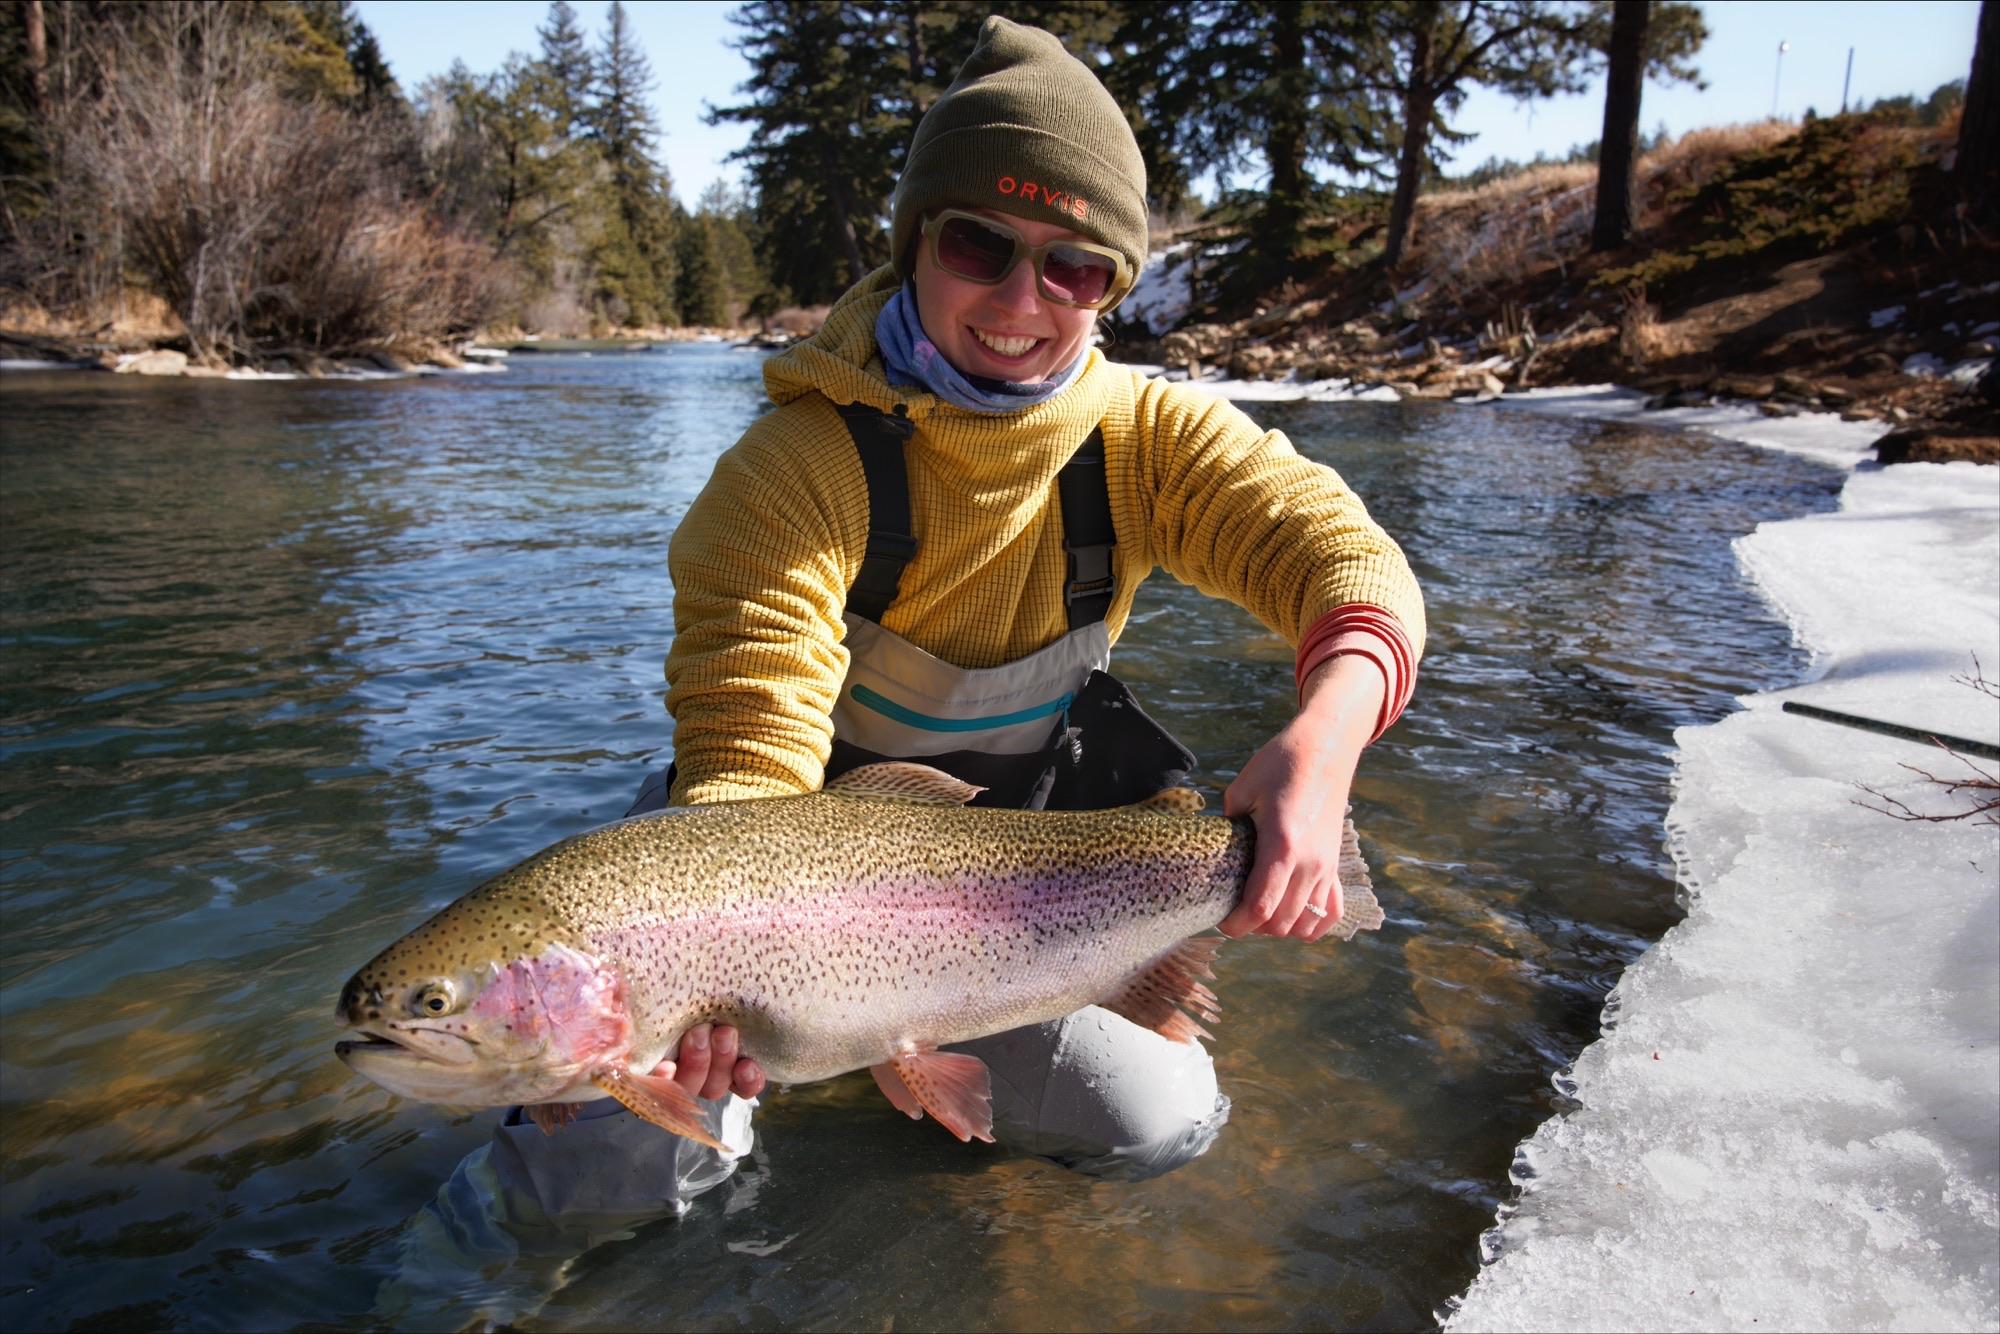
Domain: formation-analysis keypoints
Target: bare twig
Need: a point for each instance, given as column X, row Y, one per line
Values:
column 1982, row 785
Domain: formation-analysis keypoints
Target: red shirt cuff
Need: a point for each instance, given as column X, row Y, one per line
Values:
column 1370, row 632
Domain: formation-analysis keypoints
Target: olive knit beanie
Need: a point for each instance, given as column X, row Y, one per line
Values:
column 1026, row 129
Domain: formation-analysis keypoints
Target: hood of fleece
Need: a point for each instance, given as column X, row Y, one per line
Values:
column 841, row 360
column 1002, row 460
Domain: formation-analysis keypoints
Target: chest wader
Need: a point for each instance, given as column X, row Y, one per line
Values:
column 1050, row 731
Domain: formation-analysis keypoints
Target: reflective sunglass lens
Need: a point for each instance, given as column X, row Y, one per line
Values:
column 970, row 250
column 1081, row 276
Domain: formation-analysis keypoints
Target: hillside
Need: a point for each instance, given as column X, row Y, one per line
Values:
column 1814, row 266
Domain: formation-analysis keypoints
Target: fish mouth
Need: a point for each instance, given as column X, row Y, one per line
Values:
column 426, row 1045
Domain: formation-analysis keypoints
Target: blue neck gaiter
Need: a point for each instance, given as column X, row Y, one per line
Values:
column 910, row 357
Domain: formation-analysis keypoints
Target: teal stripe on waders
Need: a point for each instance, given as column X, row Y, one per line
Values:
column 889, row 708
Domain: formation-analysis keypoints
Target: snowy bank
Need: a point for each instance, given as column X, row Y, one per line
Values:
column 1792, row 1120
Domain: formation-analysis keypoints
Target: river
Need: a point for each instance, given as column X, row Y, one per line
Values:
column 287, row 666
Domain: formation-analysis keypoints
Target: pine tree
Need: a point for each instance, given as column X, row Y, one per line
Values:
column 1213, row 86
column 1644, row 38
column 371, row 70
column 1442, row 48
column 1978, row 161
column 571, row 70
column 312, row 37
column 634, row 254
column 829, row 124
column 1616, row 210
column 732, row 222
column 700, row 288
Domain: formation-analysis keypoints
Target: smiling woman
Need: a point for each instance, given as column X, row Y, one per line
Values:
column 926, row 551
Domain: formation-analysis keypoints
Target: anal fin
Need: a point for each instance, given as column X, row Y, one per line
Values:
column 659, row 1100
column 953, row 1087
column 1168, row 993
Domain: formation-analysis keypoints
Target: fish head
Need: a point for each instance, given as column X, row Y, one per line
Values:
column 479, row 1026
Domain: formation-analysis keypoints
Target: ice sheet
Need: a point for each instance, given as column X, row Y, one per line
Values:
column 1793, row 1119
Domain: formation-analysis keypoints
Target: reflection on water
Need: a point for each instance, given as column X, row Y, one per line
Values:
column 289, row 666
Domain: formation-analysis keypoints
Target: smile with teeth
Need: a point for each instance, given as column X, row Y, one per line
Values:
column 1015, row 346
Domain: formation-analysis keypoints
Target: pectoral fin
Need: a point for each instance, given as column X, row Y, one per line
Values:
column 660, row 1100
column 1166, row 993
column 953, row 1087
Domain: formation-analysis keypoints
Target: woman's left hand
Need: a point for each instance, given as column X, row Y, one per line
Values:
column 1295, row 790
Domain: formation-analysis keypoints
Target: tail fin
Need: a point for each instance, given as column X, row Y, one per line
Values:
column 1358, row 909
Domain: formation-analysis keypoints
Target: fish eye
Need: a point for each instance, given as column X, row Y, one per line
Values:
column 433, row 998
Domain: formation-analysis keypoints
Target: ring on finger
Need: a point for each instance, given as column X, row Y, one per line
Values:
column 1315, row 910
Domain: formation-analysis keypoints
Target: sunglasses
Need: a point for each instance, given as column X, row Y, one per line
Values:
column 1069, row 273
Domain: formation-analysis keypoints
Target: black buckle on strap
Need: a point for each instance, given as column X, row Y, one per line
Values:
column 891, row 546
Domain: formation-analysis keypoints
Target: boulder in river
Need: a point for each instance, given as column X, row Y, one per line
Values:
column 160, row 361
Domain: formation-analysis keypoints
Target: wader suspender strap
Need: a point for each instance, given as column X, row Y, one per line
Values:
column 1086, row 509
column 879, row 439
column 1087, row 535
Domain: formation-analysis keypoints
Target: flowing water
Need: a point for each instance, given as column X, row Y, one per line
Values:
column 288, row 666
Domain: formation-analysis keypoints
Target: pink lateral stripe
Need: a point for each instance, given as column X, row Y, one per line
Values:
column 1370, row 632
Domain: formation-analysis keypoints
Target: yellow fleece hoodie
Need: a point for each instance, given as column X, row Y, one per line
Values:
column 762, row 563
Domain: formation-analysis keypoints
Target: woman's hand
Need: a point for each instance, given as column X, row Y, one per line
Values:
column 706, row 1064
column 1295, row 790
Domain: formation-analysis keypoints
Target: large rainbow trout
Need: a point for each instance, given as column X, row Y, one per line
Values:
column 862, row 926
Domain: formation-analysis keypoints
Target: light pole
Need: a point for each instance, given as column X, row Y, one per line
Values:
column 1779, row 74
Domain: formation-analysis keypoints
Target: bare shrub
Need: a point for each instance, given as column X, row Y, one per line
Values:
column 260, row 218
column 560, row 308
column 799, row 321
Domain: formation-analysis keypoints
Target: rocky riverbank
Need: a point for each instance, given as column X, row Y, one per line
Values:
column 1939, row 409
column 161, row 350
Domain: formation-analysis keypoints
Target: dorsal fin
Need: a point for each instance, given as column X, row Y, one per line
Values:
column 902, row 780
column 1173, row 801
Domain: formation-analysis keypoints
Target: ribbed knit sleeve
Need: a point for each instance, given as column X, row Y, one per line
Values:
column 1237, row 512
column 760, row 578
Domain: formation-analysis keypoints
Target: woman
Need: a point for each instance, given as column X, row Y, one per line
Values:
column 926, row 550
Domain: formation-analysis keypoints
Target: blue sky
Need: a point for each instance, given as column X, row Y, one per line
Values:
column 1900, row 46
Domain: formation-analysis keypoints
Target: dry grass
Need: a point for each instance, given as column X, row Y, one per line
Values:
column 129, row 315
column 1547, row 178
column 1494, row 234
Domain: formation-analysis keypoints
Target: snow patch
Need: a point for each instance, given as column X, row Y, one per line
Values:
column 1160, row 299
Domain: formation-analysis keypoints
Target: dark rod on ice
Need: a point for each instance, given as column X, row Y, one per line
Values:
column 1982, row 749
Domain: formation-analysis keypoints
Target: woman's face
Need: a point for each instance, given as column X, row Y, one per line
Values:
column 1008, row 331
